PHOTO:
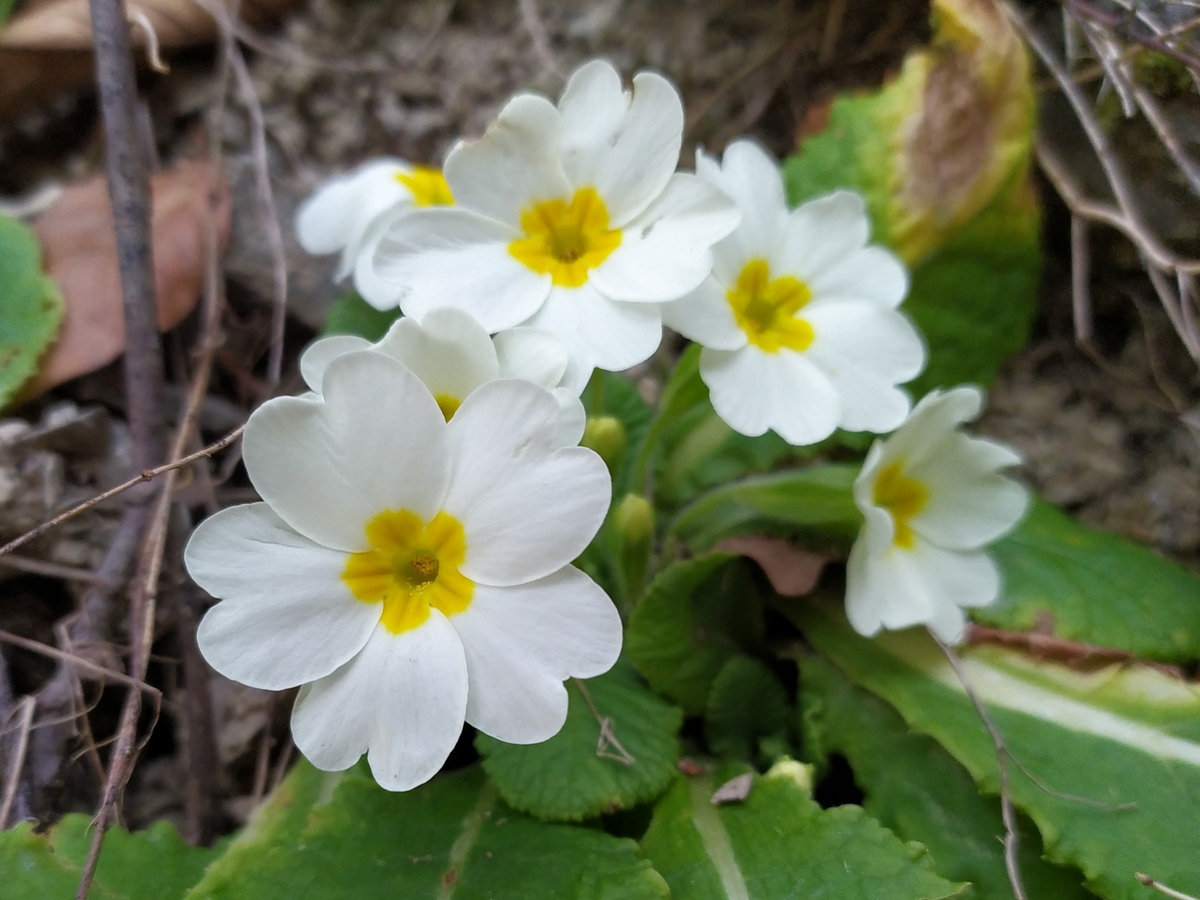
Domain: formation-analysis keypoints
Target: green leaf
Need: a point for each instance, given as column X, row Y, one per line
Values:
column 452, row 837
column 609, row 394
column 916, row 789
column 779, row 843
column 695, row 616
column 942, row 155
column 1116, row 752
column 31, row 307
column 1096, row 588
column 154, row 864
column 577, row 774
column 6, row 8
column 748, row 712
column 352, row 314
column 800, row 498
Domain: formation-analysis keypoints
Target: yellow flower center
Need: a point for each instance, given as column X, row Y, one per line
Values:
column 765, row 308
column 564, row 239
column 428, row 186
column 411, row 567
column 448, row 404
column 903, row 496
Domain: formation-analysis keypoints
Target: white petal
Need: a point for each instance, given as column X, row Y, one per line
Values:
column 515, row 163
column 402, row 700
column 527, row 509
column 753, row 391
column 327, row 468
column 958, row 578
column 381, row 293
column 447, row 349
column 452, row 257
column 285, row 616
column 627, row 154
column 866, row 350
column 319, row 354
column 886, row 590
column 598, row 332
column 522, row 642
column 751, row 177
column 665, row 252
column 704, row 316
column 572, row 418
column 870, row 273
column 932, row 420
column 820, row 234
column 532, row 354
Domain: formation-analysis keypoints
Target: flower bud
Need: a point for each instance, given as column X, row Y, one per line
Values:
column 606, row 435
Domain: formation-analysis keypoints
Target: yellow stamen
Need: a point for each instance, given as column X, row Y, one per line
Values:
column 412, row 566
column 903, row 496
column 448, row 404
column 765, row 308
column 566, row 239
column 428, row 186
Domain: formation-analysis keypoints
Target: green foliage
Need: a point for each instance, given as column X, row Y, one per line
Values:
column 743, row 850
column 748, row 712
column 1116, row 752
column 352, row 314
column 31, row 307
column 578, row 774
column 6, row 8
column 916, row 789
column 1096, row 588
column 608, row 394
column 451, row 837
column 695, row 616
column 154, row 864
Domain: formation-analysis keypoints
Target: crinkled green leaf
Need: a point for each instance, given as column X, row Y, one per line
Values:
column 1093, row 587
column 695, row 615
column 451, row 838
column 352, row 314
column 942, row 155
column 154, row 864
column 748, row 713
column 576, row 774
column 779, row 844
column 1116, row 752
column 916, row 789
column 31, row 307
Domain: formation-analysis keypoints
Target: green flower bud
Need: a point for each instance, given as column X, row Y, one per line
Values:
column 606, row 435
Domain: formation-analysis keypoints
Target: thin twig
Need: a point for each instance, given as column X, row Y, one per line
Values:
column 79, row 662
column 532, row 21
column 16, row 763
column 608, row 737
column 1162, row 888
column 50, row 570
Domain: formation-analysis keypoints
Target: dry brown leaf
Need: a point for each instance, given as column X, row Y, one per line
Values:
column 80, row 253
column 793, row 572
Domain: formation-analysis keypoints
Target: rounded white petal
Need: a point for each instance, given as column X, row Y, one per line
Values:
column 956, row 580
column 627, row 154
column 705, row 316
column 932, row 420
column 522, row 642
column 326, row 468
column 751, row 177
column 515, row 163
column 866, row 350
column 532, row 354
column 453, row 257
column 665, row 252
column 527, row 509
column 598, row 332
column 870, row 273
column 285, row 616
column 886, row 590
column 381, row 293
column 447, row 349
column 402, row 701
column 572, row 418
column 320, row 353
column 820, row 234
column 753, row 391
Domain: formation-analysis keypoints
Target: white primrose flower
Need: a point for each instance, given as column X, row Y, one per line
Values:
column 933, row 498
column 568, row 218
column 453, row 355
column 798, row 320
column 349, row 213
column 408, row 572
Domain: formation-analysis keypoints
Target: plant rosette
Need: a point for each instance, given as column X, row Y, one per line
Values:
column 798, row 319
column 407, row 572
column 569, row 218
column 348, row 215
column 933, row 498
column 453, row 355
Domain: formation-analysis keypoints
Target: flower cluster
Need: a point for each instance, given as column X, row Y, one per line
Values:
column 409, row 566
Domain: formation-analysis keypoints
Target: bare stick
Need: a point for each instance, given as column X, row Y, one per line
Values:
column 1162, row 888
column 608, row 737
column 17, row 762
column 50, row 570
column 79, row 662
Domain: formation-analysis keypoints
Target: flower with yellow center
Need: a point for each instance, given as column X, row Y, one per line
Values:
column 349, row 213
column 569, row 218
column 798, row 319
column 933, row 498
column 409, row 573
